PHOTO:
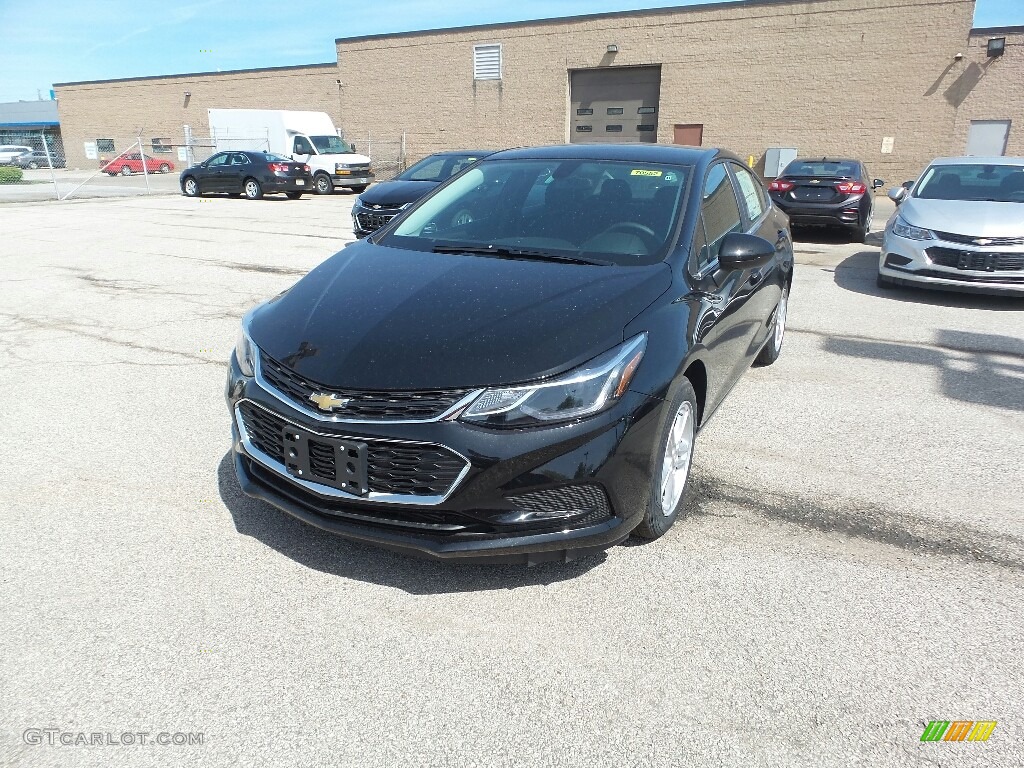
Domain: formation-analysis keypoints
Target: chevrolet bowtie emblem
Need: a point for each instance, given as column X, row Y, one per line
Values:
column 982, row 241
column 328, row 402
column 375, row 207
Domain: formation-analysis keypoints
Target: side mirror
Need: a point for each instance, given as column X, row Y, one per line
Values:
column 878, row 183
column 898, row 194
column 908, row 184
column 743, row 251
column 353, row 147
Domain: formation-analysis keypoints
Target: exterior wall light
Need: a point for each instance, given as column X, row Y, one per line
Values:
column 996, row 47
column 613, row 48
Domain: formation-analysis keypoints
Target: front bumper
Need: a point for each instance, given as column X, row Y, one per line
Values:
column 362, row 180
column 481, row 518
column 952, row 266
column 850, row 213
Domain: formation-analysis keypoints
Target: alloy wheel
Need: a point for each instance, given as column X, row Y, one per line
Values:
column 675, row 465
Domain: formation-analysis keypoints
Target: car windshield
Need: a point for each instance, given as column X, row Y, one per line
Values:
column 970, row 181
column 828, row 168
column 330, row 145
column 599, row 211
column 438, row 167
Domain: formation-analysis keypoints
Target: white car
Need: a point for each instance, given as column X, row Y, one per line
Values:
column 960, row 227
column 10, row 151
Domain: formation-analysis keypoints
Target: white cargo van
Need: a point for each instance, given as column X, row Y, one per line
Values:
column 307, row 137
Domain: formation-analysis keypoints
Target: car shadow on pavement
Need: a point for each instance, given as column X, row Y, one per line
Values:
column 857, row 273
column 326, row 552
column 979, row 368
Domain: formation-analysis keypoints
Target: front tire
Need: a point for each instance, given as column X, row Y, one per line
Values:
column 293, row 195
column 671, row 479
column 884, row 282
column 164, row 168
column 253, row 190
column 33, row 165
column 190, row 187
column 322, row 184
column 126, row 171
column 771, row 351
column 360, row 189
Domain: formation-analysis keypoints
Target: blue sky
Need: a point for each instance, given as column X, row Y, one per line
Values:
column 65, row 40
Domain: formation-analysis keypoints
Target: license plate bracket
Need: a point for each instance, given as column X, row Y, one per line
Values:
column 328, row 461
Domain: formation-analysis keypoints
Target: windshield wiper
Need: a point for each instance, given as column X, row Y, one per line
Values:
column 504, row 252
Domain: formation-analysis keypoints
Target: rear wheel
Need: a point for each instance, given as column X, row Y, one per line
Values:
column 671, row 477
column 126, row 171
column 33, row 165
column 190, row 187
column 860, row 234
column 771, row 351
column 164, row 167
column 293, row 195
column 253, row 190
column 322, row 184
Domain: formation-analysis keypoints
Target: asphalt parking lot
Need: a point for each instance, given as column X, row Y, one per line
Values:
column 851, row 568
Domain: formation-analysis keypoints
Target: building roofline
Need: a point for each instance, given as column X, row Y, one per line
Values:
column 581, row 17
column 986, row 31
column 332, row 64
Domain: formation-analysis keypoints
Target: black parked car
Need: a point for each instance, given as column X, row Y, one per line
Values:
column 384, row 201
column 827, row 192
column 252, row 174
column 37, row 159
column 518, row 367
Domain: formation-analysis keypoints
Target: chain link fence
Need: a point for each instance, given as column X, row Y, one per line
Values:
column 33, row 163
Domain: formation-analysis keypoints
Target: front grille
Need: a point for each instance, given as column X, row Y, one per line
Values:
column 975, row 260
column 407, row 470
column 588, row 502
column 363, row 405
column 952, row 237
column 371, row 222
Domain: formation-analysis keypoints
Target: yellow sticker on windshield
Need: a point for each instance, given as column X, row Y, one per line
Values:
column 639, row 172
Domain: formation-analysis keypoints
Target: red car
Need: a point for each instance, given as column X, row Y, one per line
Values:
column 130, row 163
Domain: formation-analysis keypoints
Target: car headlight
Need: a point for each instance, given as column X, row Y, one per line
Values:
column 903, row 229
column 245, row 353
column 587, row 390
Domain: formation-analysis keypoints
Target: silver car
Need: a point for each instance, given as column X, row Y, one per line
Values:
column 959, row 227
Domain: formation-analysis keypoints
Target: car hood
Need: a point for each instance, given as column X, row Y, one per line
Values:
column 395, row 192
column 373, row 317
column 964, row 217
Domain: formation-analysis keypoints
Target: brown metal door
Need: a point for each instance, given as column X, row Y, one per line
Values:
column 615, row 105
column 690, row 135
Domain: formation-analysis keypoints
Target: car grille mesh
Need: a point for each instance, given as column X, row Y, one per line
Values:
column 371, row 222
column 409, row 470
column 976, row 260
column 588, row 498
column 952, row 237
column 362, row 405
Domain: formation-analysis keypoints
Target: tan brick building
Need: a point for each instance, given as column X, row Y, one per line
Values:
column 893, row 82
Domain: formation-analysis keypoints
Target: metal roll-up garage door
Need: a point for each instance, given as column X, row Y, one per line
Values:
column 617, row 105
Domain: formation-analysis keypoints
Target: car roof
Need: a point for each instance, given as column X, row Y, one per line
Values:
column 977, row 161
column 825, row 160
column 639, row 153
column 461, row 152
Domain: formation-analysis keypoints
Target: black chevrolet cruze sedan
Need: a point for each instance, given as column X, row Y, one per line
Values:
column 516, row 368
column 382, row 202
column 828, row 192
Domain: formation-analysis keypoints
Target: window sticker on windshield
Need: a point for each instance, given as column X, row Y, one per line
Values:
column 641, row 172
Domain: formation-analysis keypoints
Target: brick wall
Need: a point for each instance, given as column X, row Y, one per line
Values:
column 118, row 109
column 830, row 77
column 991, row 89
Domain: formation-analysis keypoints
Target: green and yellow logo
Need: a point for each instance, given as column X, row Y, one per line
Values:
column 958, row 730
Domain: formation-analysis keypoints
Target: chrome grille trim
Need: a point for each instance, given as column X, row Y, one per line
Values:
column 326, row 491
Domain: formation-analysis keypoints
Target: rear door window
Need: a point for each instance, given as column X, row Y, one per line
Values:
column 751, row 192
